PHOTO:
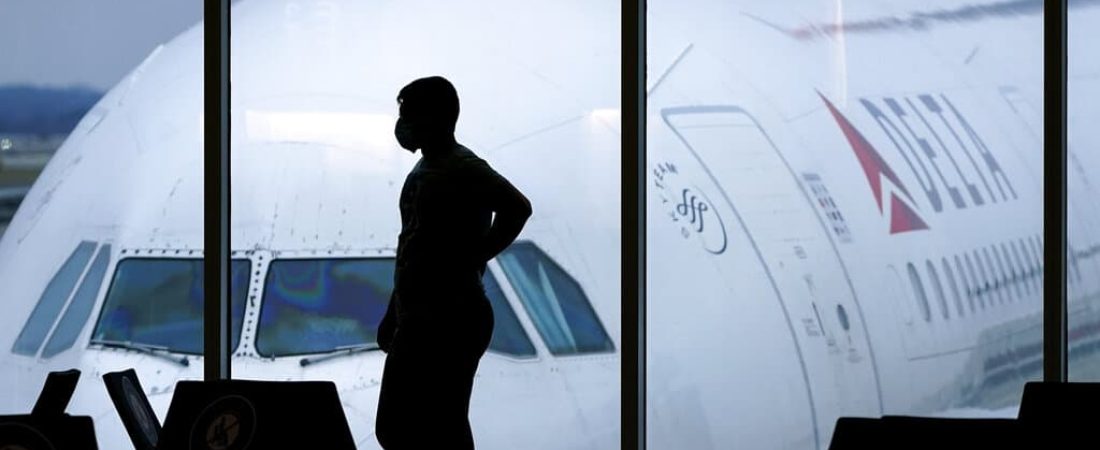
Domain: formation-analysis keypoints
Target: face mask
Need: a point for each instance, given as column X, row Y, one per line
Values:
column 403, row 131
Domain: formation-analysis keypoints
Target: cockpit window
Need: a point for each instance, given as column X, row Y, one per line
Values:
column 317, row 305
column 52, row 300
column 159, row 302
column 80, row 307
column 557, row 305
column 508, row 335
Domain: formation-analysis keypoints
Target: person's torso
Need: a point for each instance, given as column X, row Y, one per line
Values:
column 443, row 224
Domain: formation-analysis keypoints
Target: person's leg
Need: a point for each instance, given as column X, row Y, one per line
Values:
column 428, row 380
column 461, row 367
column 405, row 391
column 447, row 408
column 390, row 425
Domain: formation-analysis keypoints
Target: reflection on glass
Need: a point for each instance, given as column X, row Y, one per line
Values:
column 883, row 159
column 159, row 303
column 1083, row 209
column 314, row 306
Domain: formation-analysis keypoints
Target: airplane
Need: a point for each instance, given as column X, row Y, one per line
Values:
column 102, row 261
column 842, row 214
column 845, row 214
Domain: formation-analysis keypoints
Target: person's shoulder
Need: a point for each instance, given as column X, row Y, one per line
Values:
column 464, row 153
column 469, row 160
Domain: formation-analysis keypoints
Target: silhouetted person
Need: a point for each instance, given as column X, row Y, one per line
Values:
column 439, row 321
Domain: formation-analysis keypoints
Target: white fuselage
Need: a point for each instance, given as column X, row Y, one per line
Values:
column 803, row 156
column 798, row 164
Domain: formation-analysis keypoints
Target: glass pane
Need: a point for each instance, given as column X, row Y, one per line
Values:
column 174, row 321
column 313, row 306
column 837, row 193
column 53, row 298
column 317, row 306
column 555, row 302
column 319, row 175
column 100, row 161
column 509, row 338
column 80, row 308
column 1083, row 164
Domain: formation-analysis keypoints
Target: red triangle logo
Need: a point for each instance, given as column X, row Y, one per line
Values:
column 903, row 218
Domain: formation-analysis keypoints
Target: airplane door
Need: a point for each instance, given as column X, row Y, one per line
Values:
column 794, row 247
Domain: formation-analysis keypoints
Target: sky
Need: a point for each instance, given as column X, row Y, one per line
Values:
column 92, row 43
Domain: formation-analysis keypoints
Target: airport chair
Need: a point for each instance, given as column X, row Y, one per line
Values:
column 908, row 432
column 237, row 414
column 48, row 426
column 856, row 433
column 1060, row 415
column 56, row 393
column 133, row 408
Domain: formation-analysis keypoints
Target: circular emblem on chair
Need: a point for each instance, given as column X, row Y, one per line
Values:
column 229, row 423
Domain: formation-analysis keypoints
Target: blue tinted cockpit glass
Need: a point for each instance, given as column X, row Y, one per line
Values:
column 313, row 305
column 508, row 335
column 52, row 300
column 159, row 302
column 555, row 301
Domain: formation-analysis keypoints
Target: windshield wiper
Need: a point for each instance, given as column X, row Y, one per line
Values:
column 343, row 350
column 148, row 349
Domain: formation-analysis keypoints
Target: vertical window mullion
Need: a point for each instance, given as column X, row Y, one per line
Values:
column 633, row 224
column 216, row 313
column 1054, row 191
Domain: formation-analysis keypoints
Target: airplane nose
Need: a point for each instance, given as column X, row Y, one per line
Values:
column 357, row 377
column 360, row 406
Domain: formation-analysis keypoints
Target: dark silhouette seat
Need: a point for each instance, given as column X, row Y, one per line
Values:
column 133, row 408
column 48, row 426
column 904, row 432
column 239, row 414
column 1060, row 413
column 56, row 393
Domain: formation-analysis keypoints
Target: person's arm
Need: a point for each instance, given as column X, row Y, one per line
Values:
column 388, row 327
column 510, row 206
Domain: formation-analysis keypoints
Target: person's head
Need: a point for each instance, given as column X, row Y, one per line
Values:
column 428, row 112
